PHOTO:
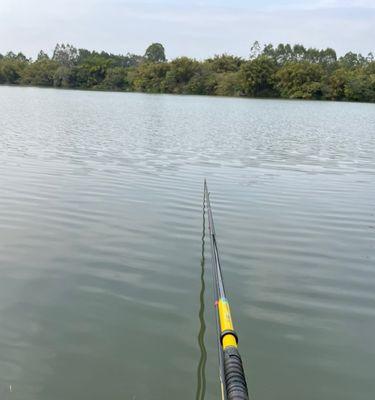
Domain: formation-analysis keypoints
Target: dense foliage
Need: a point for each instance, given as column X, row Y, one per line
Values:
column 283, row 71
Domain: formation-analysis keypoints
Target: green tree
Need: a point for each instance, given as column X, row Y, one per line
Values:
column 290, row 71
column 155, row 53
column 203, row 81
column 335, row 83
column 352, row 60
column 255, row 50
column 11, row 70
column 63, row 77
column 328, row 57
column 116, row 78
column 40, row 73
column 150, row 78
column 65, row 54
column 229, row 84
column 42, row 56
column 257, row 77
column 360, row 86
column 19, row 57
column 91, row 73
column 182, row 69
column 300, row 80
column 224, row 63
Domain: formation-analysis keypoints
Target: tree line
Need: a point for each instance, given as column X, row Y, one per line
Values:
column 282, row 71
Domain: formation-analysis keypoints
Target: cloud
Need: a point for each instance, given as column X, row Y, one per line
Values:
column 197, row 28
column 322, row 5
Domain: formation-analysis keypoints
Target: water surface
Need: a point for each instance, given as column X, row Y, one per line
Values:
column 101, row 261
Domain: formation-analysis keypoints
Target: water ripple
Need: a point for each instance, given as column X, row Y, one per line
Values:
column 100, row 244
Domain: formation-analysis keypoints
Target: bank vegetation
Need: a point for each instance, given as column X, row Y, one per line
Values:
column 282, row 71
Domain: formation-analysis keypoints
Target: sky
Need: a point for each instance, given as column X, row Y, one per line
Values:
column 195, row 28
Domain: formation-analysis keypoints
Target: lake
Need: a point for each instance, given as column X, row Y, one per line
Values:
column 102, row 292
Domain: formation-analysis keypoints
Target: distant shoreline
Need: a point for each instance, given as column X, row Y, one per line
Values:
column 282, row 72
column 93, row 90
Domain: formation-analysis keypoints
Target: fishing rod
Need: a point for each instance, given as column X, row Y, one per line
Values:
column 232, row 376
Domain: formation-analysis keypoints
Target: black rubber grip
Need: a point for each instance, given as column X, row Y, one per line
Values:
column 235, row 382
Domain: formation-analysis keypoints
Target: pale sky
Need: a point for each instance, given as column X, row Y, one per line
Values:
column 196, row 28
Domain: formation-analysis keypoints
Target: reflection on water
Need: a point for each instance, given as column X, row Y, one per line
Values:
column 201, row 370
column 101, row 243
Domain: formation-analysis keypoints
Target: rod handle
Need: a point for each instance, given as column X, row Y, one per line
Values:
column 235, row 381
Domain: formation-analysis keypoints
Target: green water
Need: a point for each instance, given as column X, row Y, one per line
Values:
column 101, row 260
